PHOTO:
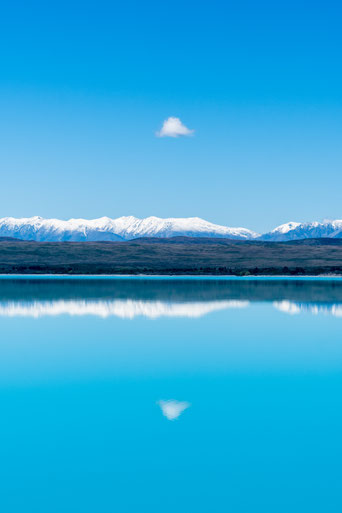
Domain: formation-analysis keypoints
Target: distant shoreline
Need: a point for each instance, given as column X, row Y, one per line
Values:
column 175, row 276
column 178, row 257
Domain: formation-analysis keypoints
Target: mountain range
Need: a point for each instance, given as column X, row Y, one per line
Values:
column 128, row 228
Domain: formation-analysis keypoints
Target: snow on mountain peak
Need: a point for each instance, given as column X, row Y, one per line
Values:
column 296, row 231
column 285, row 228
column 122, row 228
column 130, row 227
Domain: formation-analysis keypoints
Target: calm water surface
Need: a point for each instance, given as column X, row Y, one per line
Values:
column 157, row 395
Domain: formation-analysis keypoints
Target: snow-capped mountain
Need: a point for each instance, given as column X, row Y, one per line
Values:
column 127, row 228
column 39, row 229
column 296, row 231
column 131, row 227
column 122, row 228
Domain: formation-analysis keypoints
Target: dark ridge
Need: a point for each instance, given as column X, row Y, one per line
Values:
column 10, row 239
column 225, row 241
column 323, row 241
column 180, row 239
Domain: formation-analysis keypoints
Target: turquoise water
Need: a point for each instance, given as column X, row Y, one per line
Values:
column 149, row 395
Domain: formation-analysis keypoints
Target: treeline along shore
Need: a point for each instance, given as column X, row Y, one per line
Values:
column 174, row 256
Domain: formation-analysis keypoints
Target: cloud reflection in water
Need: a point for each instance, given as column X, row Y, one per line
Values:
column 172, row 409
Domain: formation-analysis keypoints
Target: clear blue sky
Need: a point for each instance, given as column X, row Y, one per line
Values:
column 84, row 86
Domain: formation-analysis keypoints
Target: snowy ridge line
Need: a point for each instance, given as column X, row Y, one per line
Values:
column 296, row 231
column 122, row 228
column 128, row 228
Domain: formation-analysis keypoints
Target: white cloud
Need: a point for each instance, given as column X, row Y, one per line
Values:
column 173, row 127
column 172, row 409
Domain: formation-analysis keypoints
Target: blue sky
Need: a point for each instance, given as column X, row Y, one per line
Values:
column 84, row 87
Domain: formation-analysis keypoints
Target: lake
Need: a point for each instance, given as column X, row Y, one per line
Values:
column 170, row 395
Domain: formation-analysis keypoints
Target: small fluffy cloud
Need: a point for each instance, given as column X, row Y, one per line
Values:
column 173, row 127
column 172, row 409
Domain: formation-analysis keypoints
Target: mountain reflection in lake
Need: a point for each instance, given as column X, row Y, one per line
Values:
column 148, row 394
column 153, row 298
